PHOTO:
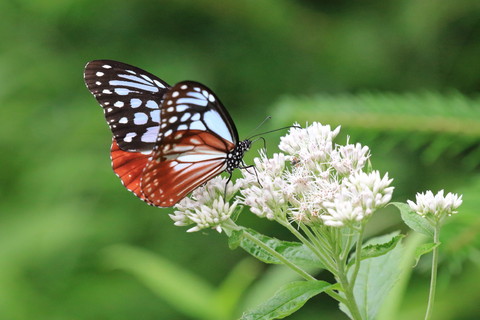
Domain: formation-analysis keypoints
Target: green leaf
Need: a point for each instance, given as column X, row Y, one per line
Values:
column 287, row 300
column 424, row 249
column 293, row 251
column 414, row 220
column 376, row 278
column 376, row 250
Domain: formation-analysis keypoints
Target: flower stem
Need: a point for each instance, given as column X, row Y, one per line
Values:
column 358, row 251
column 348, row 291
column 433, row 279
column 324, row 258
column 284, row 260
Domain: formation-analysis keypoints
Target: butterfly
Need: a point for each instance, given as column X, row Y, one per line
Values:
column 167, row 140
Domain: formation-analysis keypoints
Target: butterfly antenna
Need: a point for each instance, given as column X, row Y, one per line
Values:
column 264, row 142
column 283, row 128
column 261, row 124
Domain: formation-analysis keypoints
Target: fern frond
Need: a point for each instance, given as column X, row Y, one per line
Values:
column 426, row 112
column 430, row 122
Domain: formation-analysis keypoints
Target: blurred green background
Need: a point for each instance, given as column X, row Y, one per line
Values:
column 400, row 76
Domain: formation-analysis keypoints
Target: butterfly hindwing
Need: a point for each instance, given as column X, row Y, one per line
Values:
column 128, row 166
column 184, row 161
column 131, row 100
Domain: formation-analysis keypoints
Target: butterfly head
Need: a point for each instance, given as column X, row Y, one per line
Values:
column 234, row 157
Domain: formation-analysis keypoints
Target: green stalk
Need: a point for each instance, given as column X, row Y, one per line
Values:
column 433, row 279
column 348, row 290
column 321, row 255
column 358, row 251
column 322, row 246
column 284, row 260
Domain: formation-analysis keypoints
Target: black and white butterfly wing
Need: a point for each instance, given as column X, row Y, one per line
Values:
column 131, row 100
column 195, row 139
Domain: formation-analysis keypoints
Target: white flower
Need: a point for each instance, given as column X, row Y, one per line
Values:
column 342, row 211
column 369, row 190
column 436, row 206
column 311, row 145
column 349, row 158
column 206, row 207
column 360, row 195
column 267, row 198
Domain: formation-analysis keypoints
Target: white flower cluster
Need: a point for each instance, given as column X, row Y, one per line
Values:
column 312, row 182
column 207, row 206
column 267, row 198
column 436, row 206
column 324, row 184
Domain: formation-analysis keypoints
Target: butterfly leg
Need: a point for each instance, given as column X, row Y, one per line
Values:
column 226, row 185
column 254, row 170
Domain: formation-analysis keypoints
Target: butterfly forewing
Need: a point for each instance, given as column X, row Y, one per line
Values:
column 131, row 100
column 196, row 135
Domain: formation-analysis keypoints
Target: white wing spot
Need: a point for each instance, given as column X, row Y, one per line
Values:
column 184, row 87
column 122, row 91
column 150, row 135
column 211, row 98
column 106, row 91
column 169, row 132
column 155, row 115
column 195, row 101
column 135, row 102
column 169, row 102
column 140, row 118
column 197, row 125
column 158, row 83
column 195, row 140
column 214, row 121
column 131, row 71
column 205, row 93
column 196, row 117
column 170, row 109
column 99, row 74
column 173, row 119
column 175, row 94
column 129, row 136
column 185, row 117
column 182, row 107
column 118, row 104
column 109, row 110
column 98, row 83
column 123, row 120
column 196, row 89
column 151, row 104
column 182, row 127
column 106, row 66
